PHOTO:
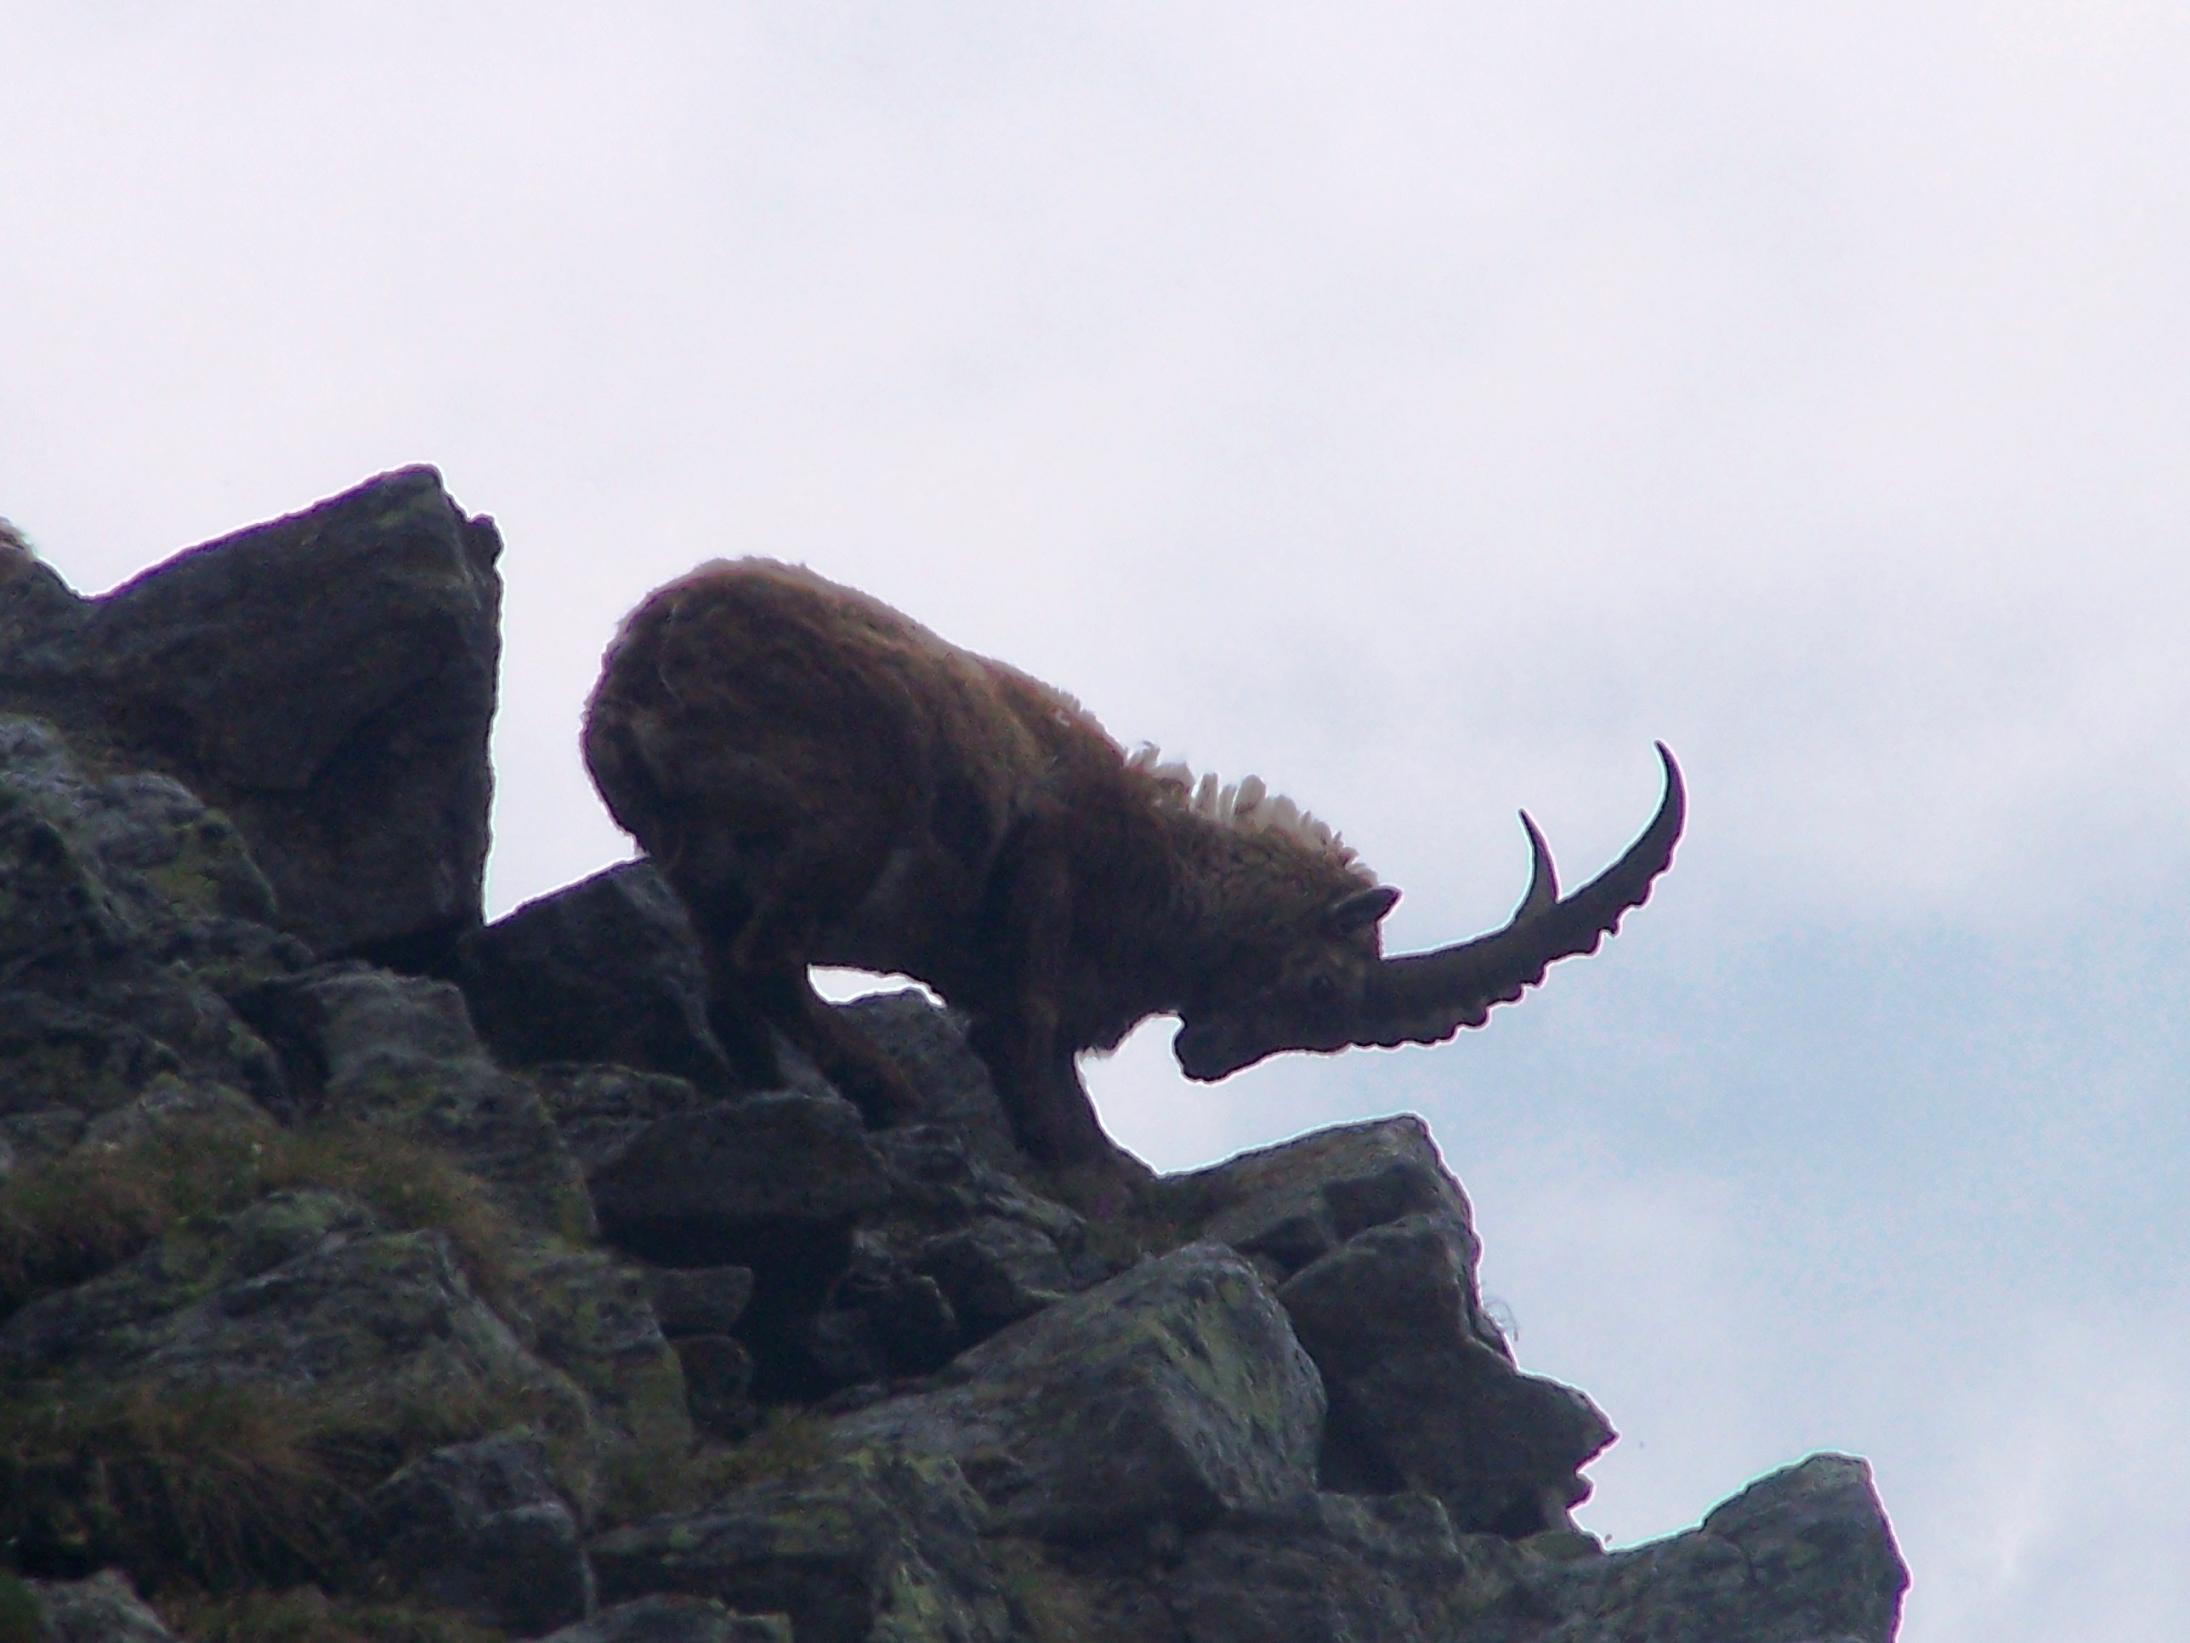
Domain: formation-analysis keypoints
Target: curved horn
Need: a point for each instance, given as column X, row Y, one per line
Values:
column 1422, row 998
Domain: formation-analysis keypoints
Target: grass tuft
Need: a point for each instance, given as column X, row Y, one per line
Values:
column 221, row 1484
column 94, row 1207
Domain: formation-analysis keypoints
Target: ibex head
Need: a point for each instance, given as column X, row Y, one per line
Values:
column 1333, row 987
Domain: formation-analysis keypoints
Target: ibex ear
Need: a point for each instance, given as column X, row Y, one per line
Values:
column 1361, row 907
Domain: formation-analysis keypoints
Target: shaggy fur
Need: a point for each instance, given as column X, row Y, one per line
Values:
column 824, row 780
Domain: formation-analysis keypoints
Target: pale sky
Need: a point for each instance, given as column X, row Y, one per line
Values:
column 1424, row 408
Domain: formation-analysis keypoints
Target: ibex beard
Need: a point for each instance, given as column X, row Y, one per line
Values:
column 824, row 781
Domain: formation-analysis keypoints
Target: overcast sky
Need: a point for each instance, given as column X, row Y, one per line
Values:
column 1422, row 407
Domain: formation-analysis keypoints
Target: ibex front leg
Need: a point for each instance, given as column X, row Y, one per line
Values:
column 1017, row 1032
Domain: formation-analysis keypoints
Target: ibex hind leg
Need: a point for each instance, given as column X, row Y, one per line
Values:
column 854, row 1065
column 737, row 1010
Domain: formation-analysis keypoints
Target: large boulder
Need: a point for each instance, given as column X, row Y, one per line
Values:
column 741, row 1181
column 1371, row 1245
column 1288, row 1204
column 481, row 1529
column 326, row 680
column 1388, row 1569
column 872, row 1546
column 1802, row 1556
column 1421, row 1398
column 1172, row 1394
column 130, row 923
column 605, row 970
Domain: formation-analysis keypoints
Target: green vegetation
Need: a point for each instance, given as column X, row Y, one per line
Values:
column 95, row 1207
column 410, row 1186
column 218, row 1484
column 217, row 1487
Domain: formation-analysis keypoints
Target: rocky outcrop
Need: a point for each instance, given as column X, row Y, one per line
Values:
column 365, row 1272
column 325, row 681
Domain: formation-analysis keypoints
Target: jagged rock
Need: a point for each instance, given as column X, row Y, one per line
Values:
column 1302, row 1426
column 480, row 1528
column 351, row 748
column 589, row 1314
column 771, row 1182
column 1289, row 1204
column 674, row 1620
column 164, row 853
column 1802, row 1556
column 300, row 1293
column 741, row 1181
column 940, row 1183
column 1172, row 1393
column 605, row 970
column 870, row 1545
column 60, row 915
column 1374, row 1247
column 102, row 1044
column 881, row 1320
column 995, row 1272
column 103, row 1609
column 63, row 1056
column 127, row 914
column 1317, row 1567
column 398, row 1052
column 600, row 1110
column 1421, row 1397
column 697, row 1307
column 97, row 863
column 927, row 1043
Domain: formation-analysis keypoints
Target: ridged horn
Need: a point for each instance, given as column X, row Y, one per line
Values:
column 1422, row 998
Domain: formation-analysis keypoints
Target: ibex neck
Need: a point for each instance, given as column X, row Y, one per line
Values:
column 1169, row 913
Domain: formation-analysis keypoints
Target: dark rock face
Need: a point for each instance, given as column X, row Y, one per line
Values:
column 398, row 1053
column 1172, row 1394
column 1423, row 1397
column 1385, row 1570
column 868, row 1545
column 741, row 1180
column 348, row 745
column 1801, row 1556
column 606, row 970
column 445, row 1274
column 480, row 1528
column 1373, row 1250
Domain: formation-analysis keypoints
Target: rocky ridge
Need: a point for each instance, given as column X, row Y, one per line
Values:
column 368, row 1271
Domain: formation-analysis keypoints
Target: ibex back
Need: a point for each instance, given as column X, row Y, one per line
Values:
column 824, row 781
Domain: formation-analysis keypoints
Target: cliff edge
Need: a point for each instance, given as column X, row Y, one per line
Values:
column 367, row 1271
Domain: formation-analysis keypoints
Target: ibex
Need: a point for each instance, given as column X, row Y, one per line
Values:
column 825, row 781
